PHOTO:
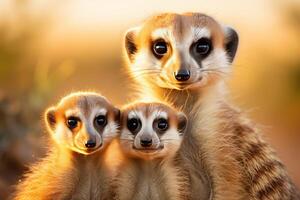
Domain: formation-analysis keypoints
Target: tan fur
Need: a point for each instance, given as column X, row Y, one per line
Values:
column 151, row 178
column 222, row 151
column 64, row 173
column 157, row 179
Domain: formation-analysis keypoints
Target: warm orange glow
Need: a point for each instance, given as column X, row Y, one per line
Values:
column 113, row 155
column 51, row 48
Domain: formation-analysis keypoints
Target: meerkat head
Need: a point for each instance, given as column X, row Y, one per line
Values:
column 151, row 130
column 84, row 122
column 180, row 51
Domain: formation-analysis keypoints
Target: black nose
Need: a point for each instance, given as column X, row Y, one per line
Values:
column 182, row 75
column 90, row 144
column 146, row 142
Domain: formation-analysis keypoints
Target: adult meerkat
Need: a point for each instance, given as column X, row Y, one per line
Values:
column 151, row 134
column 81, row 126
column 181, row 59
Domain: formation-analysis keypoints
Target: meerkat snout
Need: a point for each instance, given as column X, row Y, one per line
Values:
column 91, row 143
column 146, row 141
column 182, row 75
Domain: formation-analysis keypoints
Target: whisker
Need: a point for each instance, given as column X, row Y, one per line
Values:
column 145, row 70
column 167, row 95
column 212, row 71
column 219, row 70
column 213, row 68
column 167, row 139
column 143, row 74
column 126, row 139
column 148, row 73
column 109, row 136
column 186, row 101
column 216, row 72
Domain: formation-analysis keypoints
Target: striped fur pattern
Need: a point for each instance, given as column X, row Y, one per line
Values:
column 265, row 177
column 223, row 152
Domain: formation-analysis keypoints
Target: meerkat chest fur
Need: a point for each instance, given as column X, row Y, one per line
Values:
column 148, row 180
column 208, row 153
column 92, row 178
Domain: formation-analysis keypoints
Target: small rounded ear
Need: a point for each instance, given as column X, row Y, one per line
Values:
column 50, row 118
column 182, row 122
column 130, row 42
column 231, row 42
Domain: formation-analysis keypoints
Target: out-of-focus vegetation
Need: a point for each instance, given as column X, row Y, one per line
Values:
column 49, row 49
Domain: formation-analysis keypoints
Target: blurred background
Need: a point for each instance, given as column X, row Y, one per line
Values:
column 50, row 48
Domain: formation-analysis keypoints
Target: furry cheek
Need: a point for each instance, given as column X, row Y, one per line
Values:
column 217, row 60
column 143, row 61
column 63, row 135
column 171, row 135
column 110, row 132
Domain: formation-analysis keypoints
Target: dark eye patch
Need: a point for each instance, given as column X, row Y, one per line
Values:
column 134, row 125
column 159, row 48
column 101, row 120
column 72, row 122
column 161, row 125
column 202, row 47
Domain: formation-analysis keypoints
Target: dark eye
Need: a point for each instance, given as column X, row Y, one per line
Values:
column 133, row 125
column 72, row 122
column 162, row 124
column 101, row 120
column 160, row 48
column 203, row 46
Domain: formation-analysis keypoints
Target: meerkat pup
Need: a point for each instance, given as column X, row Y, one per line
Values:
column 81, row 126
column 151, row 134
column 183, row 59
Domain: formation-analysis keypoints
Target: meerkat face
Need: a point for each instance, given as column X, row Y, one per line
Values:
column 83, row 122
column 151, row 130
column 176, row 51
